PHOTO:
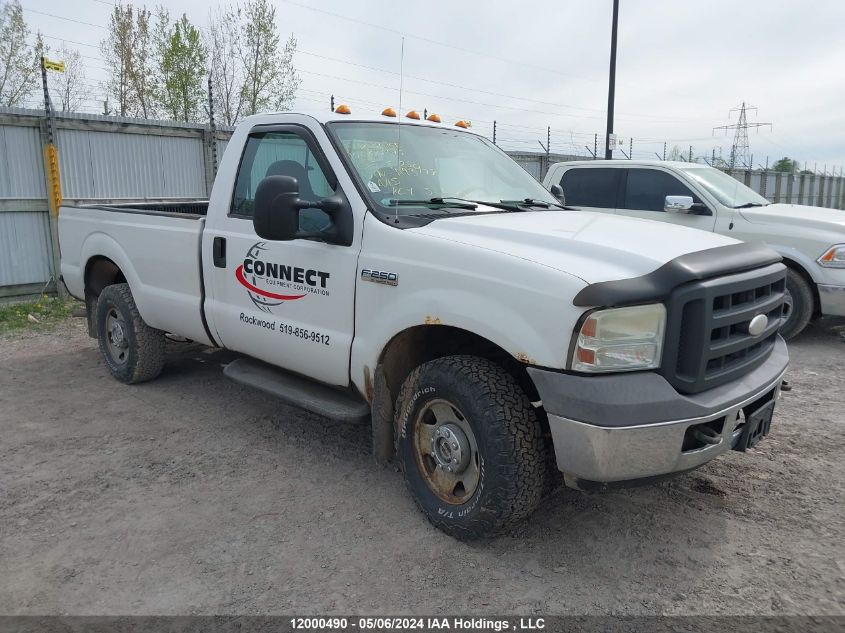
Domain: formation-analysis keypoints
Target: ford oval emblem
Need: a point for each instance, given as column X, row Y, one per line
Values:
column 758, row 325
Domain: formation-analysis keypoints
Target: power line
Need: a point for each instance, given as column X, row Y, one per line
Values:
column 482, row 91
column 424, row 79
column 436, row 42
column 59, row 17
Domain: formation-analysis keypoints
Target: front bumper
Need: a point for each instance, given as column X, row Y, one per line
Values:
column 626, row 427
column 832, row 299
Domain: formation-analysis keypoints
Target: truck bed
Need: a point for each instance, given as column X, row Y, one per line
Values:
column 156, row 245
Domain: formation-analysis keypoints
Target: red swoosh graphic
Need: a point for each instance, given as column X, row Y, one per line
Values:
column 239, row 275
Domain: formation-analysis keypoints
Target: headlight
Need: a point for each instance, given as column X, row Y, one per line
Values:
column 620, row 339
column 834, row 257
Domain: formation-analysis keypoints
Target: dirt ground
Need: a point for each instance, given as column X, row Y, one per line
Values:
column 192, row 494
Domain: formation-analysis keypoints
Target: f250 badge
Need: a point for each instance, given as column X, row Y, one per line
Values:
column 380, row 277
column 270, row 284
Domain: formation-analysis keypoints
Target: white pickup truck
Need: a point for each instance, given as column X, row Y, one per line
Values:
column 811, row 240
column 411, row 273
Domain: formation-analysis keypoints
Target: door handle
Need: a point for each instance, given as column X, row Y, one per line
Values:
column 219, row 252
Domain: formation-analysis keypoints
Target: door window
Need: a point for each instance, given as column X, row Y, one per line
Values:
column 591, row 187
column 646, row 189
column 281, row 154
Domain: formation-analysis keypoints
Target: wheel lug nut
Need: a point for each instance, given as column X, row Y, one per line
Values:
column 455, row 445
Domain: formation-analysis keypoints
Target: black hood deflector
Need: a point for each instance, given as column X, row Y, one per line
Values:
column 658, row 284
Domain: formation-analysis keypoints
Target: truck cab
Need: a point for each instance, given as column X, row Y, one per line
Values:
column 408, row 274
column 811, row 240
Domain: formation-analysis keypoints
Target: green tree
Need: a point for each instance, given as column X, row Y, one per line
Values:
column 20, row 62
column 251, row 71
column 182, row 61
column 127, row 50
column 786, row 164
column 223, row 41
column 270, row 80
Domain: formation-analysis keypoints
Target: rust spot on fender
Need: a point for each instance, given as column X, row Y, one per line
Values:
column 368, row 385
column 522, row 357
column 432, row 320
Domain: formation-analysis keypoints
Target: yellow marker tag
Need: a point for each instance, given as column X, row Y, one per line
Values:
column 57, row 66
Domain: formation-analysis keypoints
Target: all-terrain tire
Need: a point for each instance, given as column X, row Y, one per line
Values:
column 140, row 355
column 800, row 295
column 510, row 452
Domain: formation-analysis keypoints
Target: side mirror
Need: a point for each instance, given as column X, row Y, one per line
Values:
column 276, row 213
column 677, row 204
column 557, row 192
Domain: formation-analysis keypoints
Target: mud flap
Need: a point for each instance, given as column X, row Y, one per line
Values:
column 382, row 415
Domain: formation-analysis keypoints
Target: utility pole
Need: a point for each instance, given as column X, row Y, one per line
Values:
column 611, row 88
column 630, row 148
column 664, row 150
column 548, row 142
column 494, row 132
column 331, row 103
column 595, row 146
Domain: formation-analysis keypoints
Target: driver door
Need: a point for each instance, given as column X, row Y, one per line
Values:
column 645, row 192
column 289, row 303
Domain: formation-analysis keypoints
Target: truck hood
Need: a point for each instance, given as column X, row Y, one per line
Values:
column 592, row 246
column 796, row 215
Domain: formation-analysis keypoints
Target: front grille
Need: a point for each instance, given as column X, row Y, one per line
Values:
column 707, row 338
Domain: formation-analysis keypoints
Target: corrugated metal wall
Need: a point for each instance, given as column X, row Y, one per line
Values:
column 108, row 158
column 100, row 158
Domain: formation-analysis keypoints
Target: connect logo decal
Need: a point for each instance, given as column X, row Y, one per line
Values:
column 270, row 284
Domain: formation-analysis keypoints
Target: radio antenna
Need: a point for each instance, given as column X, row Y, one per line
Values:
column 399, row 131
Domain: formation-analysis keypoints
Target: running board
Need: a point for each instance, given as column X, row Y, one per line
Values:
column 298, row 391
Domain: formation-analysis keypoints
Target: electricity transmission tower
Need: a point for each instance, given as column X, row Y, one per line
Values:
column 740, row 152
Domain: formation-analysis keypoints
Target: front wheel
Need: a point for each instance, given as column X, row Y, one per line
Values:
column 470, row 445
column 799, row 305
column 132, row 350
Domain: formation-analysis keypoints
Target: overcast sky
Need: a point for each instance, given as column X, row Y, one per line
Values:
column 682, row 65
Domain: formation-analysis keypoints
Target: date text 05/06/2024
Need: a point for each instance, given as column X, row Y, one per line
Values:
column 400, row 624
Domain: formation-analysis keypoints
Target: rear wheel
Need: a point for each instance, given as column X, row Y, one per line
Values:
column 132, row 350
column 799, row 304
column 470, row 446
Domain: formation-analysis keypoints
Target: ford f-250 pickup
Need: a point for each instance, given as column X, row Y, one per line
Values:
column 409, row 272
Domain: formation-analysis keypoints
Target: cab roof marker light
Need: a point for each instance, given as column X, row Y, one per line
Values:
column 462, row 124
column 434, row 118
column 343, row 109
column 413, row 114
column 388, row 111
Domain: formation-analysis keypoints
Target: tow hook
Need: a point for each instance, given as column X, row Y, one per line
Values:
column 706, row 435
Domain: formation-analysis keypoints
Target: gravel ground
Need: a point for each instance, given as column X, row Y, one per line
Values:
column 192, row 494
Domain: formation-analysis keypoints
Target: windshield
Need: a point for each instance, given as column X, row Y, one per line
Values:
column 725, row 188
column 432, row 163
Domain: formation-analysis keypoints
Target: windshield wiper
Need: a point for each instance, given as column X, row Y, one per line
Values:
column 457, row 203
column 532, row 202
column 748, row 205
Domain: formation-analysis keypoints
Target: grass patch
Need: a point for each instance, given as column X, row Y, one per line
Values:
column 34, row 314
